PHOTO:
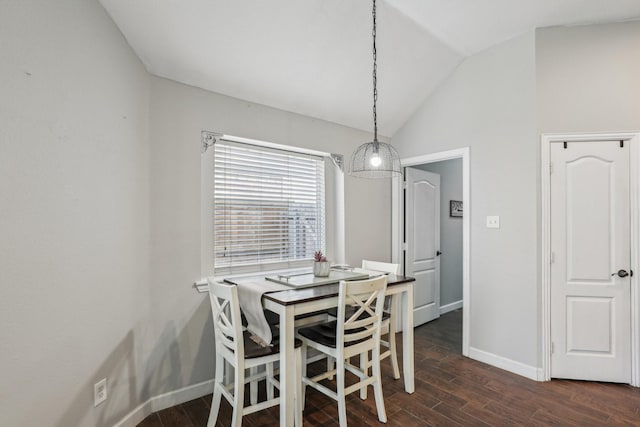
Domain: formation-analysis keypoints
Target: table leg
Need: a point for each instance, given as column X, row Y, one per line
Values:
column 287, row 367
column 407, row 339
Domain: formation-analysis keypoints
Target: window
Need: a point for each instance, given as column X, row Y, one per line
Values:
column 269, row 207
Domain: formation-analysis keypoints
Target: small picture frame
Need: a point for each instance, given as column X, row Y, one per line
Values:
column 455, row 208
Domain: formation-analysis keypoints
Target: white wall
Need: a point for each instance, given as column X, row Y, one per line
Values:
column 450, row 172
column 588, row 78
column 488, row 104
column 74, row 191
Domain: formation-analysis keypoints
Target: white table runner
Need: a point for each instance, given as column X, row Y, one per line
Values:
column 250, row 290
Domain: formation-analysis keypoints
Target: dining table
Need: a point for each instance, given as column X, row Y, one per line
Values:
column 289, row 303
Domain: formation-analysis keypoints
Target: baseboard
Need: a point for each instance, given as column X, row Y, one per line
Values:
column 450, row 307
column 165, row 401
column 530, row 372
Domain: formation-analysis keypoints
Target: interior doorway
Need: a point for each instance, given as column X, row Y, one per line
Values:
column 464, row 208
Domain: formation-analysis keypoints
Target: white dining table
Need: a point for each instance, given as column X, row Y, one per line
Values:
column 290, row 303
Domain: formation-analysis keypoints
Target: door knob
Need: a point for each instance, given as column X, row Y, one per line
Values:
column 438, row 253
column 621, row 273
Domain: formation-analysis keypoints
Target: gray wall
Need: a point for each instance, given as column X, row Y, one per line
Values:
column 178, row 114
column 488, row 104
column 74, row 185
column 101, row 214
column 588, row 78
column 101, row 198
column 450, row 172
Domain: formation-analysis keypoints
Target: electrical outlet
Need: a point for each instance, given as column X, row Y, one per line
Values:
column 493, row 222
column 100, row 392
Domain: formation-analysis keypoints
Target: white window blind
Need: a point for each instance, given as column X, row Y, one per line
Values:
column 269, row 208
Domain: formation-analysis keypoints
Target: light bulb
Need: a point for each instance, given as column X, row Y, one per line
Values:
column 375, row 160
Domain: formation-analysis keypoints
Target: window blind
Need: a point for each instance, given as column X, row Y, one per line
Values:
column 269, row 208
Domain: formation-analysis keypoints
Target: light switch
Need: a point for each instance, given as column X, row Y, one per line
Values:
column 493, row 222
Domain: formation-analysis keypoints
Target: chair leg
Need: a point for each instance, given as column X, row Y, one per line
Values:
column 303, row 374
column 394, row 356
column 253, row 386
column 217, row 393
column 364, row 361
column 298, row 396
column 342, row 405
column 238, row 396
column 377, row 386
column 392, row 341
column 268, row 383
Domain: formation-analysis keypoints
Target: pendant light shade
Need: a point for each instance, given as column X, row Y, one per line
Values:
column 375, row 159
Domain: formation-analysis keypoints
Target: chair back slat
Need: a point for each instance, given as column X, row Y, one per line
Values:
column 227, row 322
column 366, row 322
column 367, row 296
column 384, row 267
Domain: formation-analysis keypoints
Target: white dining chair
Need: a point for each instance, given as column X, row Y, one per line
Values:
column 388, row 326
column 235, row 349
column 358, row 334
column 389, row 318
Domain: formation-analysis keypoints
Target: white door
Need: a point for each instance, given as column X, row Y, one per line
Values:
column 590, row 244
column 422, row 227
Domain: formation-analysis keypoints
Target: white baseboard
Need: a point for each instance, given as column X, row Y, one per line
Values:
column 450, row 307
column 165, row 401
column 530, row 372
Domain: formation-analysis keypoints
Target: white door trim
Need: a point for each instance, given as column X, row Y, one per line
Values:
column 396, row 225
column 632, row 138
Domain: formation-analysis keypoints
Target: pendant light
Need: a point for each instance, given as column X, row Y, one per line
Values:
column 375, row 159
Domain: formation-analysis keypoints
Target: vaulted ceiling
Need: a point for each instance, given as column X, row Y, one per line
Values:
column 314, row 57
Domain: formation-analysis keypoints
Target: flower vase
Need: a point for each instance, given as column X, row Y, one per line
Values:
column 321, row 268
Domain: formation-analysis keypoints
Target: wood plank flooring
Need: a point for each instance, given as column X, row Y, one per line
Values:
column 451, row 390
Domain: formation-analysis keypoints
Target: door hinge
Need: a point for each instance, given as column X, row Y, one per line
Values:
column 404, row 246
column 552, row 259
column 550, row 168
column 553, row 348
column 404, row 185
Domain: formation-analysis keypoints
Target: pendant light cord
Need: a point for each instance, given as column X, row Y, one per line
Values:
column 375, row 77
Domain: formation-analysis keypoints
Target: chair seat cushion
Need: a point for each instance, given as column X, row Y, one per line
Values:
column 252, row 349
column 333, row 312
column 325, row 334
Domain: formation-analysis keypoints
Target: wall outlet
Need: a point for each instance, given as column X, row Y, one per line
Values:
column 493, row 222
column 100, row 392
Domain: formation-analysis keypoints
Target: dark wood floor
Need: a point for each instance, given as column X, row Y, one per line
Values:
column 451, row 390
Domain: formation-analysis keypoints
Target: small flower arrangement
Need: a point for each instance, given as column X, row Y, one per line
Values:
column 318, row 257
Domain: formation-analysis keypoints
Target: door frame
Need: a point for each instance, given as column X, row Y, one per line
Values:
column 397, row 225
column 633, row 138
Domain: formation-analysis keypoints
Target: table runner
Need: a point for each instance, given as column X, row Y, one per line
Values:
column 250, row 290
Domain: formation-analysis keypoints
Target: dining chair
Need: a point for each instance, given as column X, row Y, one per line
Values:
column 389, row 317
column 235, row 349
column 358, row 334
column 388, row 326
